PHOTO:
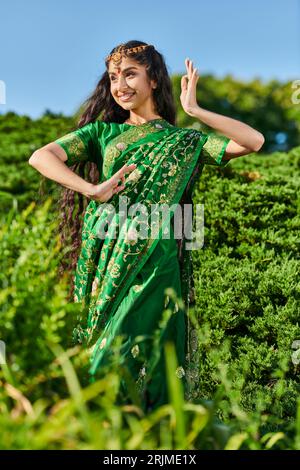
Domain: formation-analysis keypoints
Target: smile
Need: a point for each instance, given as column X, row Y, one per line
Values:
column 126, row 97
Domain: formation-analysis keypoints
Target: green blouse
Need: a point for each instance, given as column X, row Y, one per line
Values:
column 92, row 143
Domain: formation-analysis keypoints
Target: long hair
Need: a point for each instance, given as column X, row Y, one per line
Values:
column 101, row 104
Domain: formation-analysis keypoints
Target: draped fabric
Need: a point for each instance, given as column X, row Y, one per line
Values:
column 123, row 278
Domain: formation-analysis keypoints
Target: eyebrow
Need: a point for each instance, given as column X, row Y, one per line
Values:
column 128, row 68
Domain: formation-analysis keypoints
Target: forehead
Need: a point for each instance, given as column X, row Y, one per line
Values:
column 124, row 64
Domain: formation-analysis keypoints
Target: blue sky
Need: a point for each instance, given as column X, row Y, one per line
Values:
column 52, row 52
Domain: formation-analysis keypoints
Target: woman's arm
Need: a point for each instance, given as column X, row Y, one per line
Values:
column 49, row 161
column 245, row 139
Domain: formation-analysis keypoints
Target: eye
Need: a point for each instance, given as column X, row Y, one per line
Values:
column 127, row 74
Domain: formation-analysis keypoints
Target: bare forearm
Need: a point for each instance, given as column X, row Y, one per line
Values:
column 236, row 130
column 49, row 165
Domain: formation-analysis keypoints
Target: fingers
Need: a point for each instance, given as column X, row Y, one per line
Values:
column 128, row 168
column 184, row 80
column 195, row 74
column 189, row 67
column 124, row 170
column 190, row 80
column 120, row 174
column 117, row 189
column 192, row 73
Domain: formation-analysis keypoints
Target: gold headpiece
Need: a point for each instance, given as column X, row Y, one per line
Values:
column 116, row 56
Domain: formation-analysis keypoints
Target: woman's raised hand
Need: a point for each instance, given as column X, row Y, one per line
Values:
column 104, row 191
column 188, row 88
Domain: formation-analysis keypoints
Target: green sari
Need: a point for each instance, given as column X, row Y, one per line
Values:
column 123, row 279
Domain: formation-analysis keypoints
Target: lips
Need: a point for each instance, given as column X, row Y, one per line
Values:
column 126, row 96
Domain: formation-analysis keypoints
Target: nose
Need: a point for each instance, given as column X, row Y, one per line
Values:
column 121, row 83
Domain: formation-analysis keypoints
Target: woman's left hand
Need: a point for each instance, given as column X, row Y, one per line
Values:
column 188, row 88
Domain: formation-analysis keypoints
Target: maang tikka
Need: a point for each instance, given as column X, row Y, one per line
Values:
column 117, row 56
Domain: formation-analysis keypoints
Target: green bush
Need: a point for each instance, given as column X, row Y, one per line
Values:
column 247, row 283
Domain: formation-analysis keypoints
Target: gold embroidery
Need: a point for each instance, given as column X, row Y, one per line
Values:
column 95, row 285
column 112, row 152
column 134, row 176
column 213, row 149
column 119, row 143
column 115, row 271
column 74, row 147
column 137, row 287
column 172, row 170
column 121, row 146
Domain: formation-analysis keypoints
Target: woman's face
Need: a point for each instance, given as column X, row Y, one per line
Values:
column 129, row 84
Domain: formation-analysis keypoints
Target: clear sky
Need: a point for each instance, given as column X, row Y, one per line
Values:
column 52, row 51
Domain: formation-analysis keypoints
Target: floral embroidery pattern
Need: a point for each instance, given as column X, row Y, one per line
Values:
column 95, row 285
column 74, row 147
column 215, row 145
column 134, row 176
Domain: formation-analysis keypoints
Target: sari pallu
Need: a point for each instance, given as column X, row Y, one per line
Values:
column 165, row 160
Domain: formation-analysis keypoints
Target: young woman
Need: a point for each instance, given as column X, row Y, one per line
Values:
column 121, row 277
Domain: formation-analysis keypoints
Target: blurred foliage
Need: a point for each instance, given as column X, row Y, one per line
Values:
column 247, row 283
column 246, row 386
column 268, row 107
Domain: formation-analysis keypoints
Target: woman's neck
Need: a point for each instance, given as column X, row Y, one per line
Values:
column 136, row 121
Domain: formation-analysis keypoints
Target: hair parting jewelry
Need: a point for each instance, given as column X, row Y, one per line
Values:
column 116, row 56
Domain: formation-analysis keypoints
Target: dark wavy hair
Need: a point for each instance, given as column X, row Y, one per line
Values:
column 101, row 105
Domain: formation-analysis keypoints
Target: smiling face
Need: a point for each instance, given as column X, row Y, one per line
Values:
column 130, row 86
